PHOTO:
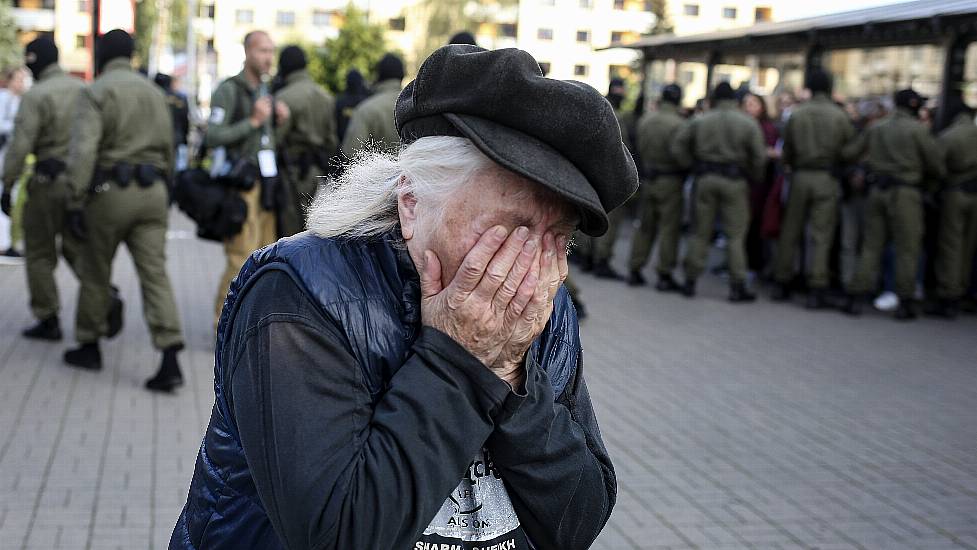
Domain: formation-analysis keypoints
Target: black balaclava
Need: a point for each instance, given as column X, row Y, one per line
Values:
column 164, row 81
column 722, row 91
column 615, row 92
column 672, row 94
column 819, row 81
column 113, row 44
column 909, row 99
column 390, row 67
column 463, row 37
column 356, row 84
column 39, row 54
column 290, row 60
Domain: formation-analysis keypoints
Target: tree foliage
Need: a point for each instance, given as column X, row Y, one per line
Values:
column 443, row 18
column 11, row 52
column 147, row 19
column 359, row 45
column 662, row 24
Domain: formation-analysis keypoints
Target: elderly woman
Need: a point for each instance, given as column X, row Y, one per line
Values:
column 408, row 373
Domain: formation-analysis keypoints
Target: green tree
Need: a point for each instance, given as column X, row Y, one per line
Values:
column 443, row 18
column 11, row 52
column 662, row 24
column 359, row 45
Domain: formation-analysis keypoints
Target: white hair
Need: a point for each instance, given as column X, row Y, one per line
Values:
column 363, row 201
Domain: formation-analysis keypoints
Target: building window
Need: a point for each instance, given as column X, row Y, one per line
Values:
column 617, row 36
column 321, row 18
column 544, row 34
column 586, row 4
column 583, row 36
column 210, row 44
column 244, row 17
column 580, row 70
column 544, row 67
column 729, row 13
column 619, row 4
column 686, row 77
column 285, row 19
column 763, row 14
column 207, row 11
column 398, row 23
column 649, row 6
column 507, row 30
column 80, row 41
column 83, row 6
column 691, row 10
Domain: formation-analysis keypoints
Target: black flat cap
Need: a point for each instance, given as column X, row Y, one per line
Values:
column 561, row 134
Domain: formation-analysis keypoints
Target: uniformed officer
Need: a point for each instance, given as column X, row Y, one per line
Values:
column 42, row 128
column 814, row 139
column 347, row 101
column 373, row 120
column 726, row 149
column 179, row 109
column 958, row 220
column 899, row 156
column 120, row 158
column 306, row 140
column 661, row 191
column 601, row 248
column 239, row 129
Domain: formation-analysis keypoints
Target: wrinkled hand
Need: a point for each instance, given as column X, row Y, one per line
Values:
column 261, row 111
column 281, row 111
column 5, row 202
column 552, row 272
column 76, row 224
column 484, row 303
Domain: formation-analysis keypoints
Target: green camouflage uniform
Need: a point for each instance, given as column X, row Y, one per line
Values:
column 814, row 139
column 958, row 221
column 661, row 193
column 897, row 147
column 306, row 141
column 373, row 121
column 723, row 136
column 123, row 118
column 42, row 128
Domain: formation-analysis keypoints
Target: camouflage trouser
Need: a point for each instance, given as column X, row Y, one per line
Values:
column 958, row 241
column 813, row 199
column 896, row 212
column 660, row 214
column 730, row 199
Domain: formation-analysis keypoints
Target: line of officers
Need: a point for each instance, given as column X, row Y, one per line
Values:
column 724, row 150
column 105, row 158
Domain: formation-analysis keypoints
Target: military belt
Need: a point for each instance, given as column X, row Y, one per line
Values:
column 727, row 169
column 50, row 168
column 123, row 173
column 654, row 173
column 883, row 182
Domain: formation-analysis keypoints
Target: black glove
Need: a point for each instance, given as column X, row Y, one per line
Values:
column 5, row 203
column 75, row 221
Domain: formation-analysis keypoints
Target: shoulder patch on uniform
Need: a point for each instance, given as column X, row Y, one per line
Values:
column 217, row 115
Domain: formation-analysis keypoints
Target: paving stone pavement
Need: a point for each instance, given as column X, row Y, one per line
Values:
column 757, row 426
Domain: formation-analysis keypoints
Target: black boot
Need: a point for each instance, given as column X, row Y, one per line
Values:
column 816, row 299
column 87, row 356
column 739, row 295
column 603, row 270
column 944, row 308
column 169, row 376
column 114, row 318
column 666, row 283
column 781, row 292
column 635, row 278
column 907, row 310
column 852, row 305
column 688, row 289
column 45, row 329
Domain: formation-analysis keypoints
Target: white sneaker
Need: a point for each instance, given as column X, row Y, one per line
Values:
column 887, row 301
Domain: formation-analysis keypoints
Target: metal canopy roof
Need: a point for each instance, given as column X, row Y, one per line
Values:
column 920, row 21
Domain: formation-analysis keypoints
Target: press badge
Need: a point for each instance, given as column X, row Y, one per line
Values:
column 267, row 164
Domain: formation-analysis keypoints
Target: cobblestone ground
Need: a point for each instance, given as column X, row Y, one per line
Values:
column 760, row 426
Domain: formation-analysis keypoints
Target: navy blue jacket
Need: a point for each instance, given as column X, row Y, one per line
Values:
column 341, row 422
